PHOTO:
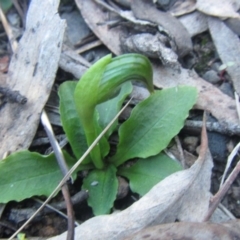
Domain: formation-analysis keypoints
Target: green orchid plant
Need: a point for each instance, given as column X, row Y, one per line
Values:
column 86, row 108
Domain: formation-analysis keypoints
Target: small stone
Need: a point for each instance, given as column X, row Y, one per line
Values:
column 190, row 143
column 227, row 88
column 218, row 146
column 215, row 66
column 211, row 76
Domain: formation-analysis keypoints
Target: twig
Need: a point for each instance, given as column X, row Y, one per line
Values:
column 8, row 31
column 179, row 147
column 20, row 11
column 54, row 143
column 71, row 170
column 88, row 46
column 237, row 104
column 64, row 168
column 217, row 198
column 50, row 207
column 12, row 96
column 214, row 126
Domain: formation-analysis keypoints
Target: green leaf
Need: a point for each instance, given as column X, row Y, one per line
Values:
column 25, row 174
column 109, row 109
column 148, row 172
column 86, row 99
column 102, row 186
column 70, row 120
column 100, row 83
column 153, row 123
column 126, row 67
column 5, row 4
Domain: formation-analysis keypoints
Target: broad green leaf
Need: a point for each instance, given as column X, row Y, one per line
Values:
column 109, row 109
column 153, row 123
column 102, row 186
column 86, row 99
column 148, row 172
column 70, row 120
column 25, row 174
column 5, row 4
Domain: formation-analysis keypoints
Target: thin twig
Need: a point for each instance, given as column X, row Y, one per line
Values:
column 214, row 126
column 54, row 143
column 180, row 150
column 88, row 46
column 53, row 209
column 64, row 168
column 237, row 104
column 8, row 31
column 217, row 198
column 71, row 171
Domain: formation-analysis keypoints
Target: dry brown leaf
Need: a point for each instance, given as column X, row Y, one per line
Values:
column 210, row 97
column 183, row 7
column 228, row 47
column 184, row 196
column 190, row 231
column 195, row 23
column 146, row 10
column 32, row 72
column 219, row 8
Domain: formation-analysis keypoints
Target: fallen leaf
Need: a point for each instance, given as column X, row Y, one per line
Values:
column 195, row 22
column 228, row 47
column 219, row 8
column 190, row 231
column 144, row 10
column 210, row 98
column 183, row 7
column 184, row 196
column 32, row 72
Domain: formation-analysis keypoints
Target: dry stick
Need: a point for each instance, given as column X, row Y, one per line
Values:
column 19, row 10
column 88, row 46
column 8, row 31
column 216, row 199
column 213, row 126
column 64, row 168
column 180, row 150
column 71, row 170
column 54, row 143
column 53, row 209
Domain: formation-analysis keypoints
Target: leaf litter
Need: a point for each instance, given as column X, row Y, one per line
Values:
column 207, row 95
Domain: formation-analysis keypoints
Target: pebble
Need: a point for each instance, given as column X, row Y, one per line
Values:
column 227, row 88
column 211, row 76
column 218, row 146
column 190, row 143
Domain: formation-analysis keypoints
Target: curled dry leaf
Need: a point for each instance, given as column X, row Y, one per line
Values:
column 190, row 231
column 219, row 8
column 228, row 47
column 184, row 196
column 210, row 97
